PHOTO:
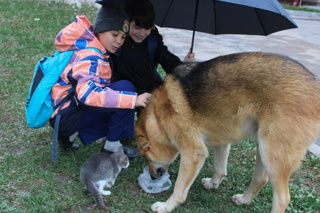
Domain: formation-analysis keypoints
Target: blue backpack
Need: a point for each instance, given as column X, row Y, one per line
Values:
column 46, row 74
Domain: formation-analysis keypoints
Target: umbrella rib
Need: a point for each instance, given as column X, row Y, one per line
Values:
column 215, row 16
column 264, row 31
column 167, row 12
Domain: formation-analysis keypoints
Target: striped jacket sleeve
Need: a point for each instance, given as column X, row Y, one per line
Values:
column 92, row 77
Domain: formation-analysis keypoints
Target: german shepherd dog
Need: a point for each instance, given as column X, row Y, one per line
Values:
column 269, row 98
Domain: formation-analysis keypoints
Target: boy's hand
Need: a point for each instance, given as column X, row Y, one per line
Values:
column 190, row 57
column 143, row 99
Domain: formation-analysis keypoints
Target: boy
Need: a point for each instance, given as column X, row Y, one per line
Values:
column 133, row 63
column 99, row 109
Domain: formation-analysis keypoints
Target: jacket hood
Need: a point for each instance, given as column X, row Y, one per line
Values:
column 78, row 35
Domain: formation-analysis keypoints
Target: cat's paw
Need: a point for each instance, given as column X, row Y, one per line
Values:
column 110, row 184
column 105, row 192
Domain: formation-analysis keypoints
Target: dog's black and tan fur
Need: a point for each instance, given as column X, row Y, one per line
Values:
column 269, row 98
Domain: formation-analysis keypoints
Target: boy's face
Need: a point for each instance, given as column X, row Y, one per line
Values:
column 112, row 40
column 138, row 34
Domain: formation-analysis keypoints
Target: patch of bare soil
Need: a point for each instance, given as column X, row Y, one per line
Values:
column 312, row 182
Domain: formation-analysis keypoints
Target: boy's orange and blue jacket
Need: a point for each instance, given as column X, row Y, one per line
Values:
column 90, row 72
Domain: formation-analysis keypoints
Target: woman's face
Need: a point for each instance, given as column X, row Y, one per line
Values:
column 112, row 40
column 138, row 34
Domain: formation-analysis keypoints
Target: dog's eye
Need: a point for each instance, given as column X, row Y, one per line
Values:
column 147, row 157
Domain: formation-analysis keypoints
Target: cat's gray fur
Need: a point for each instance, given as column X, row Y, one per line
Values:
column 101, row 170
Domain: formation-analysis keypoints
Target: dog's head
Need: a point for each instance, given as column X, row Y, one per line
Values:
column 154, row 145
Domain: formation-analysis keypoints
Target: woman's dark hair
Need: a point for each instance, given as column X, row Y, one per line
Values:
column 141, row 12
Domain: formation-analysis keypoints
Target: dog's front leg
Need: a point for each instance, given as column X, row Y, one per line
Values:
column 220, row 162
column 191, row 163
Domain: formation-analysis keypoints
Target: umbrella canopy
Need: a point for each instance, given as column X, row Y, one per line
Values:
column 120, row 3
column 248, row 17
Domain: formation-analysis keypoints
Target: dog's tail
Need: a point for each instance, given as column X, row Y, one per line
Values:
column 95, row 192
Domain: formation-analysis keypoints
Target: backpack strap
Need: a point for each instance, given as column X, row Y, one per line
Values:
column 93, row 48
column 152, row 48
column 56, row 125
column 58, row 115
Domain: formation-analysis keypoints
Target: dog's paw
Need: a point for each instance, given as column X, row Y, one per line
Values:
column 240, row 199
column 206, row 182
column 159, row 207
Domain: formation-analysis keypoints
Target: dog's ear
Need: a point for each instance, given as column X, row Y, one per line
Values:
column 145, row 143
column 145, row 146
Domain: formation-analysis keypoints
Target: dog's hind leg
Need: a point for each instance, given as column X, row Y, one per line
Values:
column 259, row 179
column 220, row 161
column 279, row 168
column 282, row 149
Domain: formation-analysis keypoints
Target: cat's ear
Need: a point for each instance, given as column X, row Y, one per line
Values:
column 120, row 149
column 123, row 158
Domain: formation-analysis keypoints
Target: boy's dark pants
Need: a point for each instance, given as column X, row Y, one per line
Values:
column 93, row 124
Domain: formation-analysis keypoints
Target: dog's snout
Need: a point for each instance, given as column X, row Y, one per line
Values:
column 160, row 172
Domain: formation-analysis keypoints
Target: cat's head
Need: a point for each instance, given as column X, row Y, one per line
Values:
column 120, row 158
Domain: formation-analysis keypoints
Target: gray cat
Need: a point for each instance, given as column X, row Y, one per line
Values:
column 101, row 170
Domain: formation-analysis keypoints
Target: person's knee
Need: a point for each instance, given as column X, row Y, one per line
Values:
column 123, row 85
column 130, row 86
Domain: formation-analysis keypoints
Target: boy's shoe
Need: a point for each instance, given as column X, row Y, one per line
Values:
column 132, row 141
column 128, row 151
column 66, row 145
column 131, row 152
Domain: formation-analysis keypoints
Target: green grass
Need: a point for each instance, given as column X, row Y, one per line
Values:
column 302, row 8
column 30, row 182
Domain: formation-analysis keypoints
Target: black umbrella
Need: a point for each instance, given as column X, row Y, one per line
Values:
column 248, row 17
column 120, row 3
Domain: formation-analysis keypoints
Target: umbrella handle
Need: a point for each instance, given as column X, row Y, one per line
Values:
column 192, row 41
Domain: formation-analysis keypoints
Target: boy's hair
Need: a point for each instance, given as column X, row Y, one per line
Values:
column 141, row 12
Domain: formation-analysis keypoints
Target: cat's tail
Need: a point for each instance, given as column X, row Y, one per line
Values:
column 95, row 193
